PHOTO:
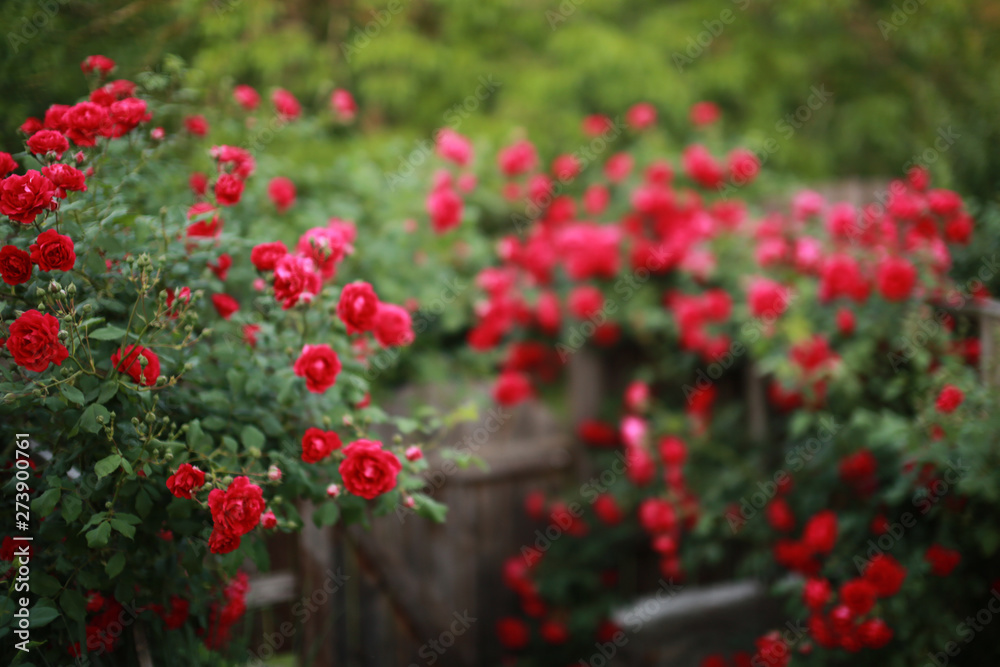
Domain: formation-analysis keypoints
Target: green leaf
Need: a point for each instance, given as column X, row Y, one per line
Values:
column 143, row 503
column 71, row 506
column 98, row 537
column 45, row 503
column 72, row 394
column 230, row 443
column 74, row 604
column 88, row 420
column 252, row 437
column 115, row 565
column 123, row 527
column 44, row 584
column 107, row 465
column 429, row 508
column 107, row 333
column 108, row 391
column 41, row 615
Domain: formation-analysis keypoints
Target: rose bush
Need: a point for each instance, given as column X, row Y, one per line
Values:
column 176, row 381
column 873, row 483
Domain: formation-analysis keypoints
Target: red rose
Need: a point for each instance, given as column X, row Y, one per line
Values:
column 53, row 251
column 84, row 121
column 127, row 114
column 266, row 255
column 236, row 511
column 206, row 228
column 886, row 574
column 874, row 633
column 820, row 533
column 198, row 182
column 31, row 125
column 98, row 63
column 246, row 97
column 319, row 365
column 225, row 305
column 780, row 515
column 221, row 267
column 318, row 444
column 816, row 593
column 295, row 279
column 22, row 198
column 357, row 307
column 949, row 399
column 7, row 164
column 65, row 177
column 368, row 470
column 196, row 125
column 393, row 325
column 250, row 332
column 285, row 104
column 44, row 142
column 228, row 190
column 142, row 376
column 15, row 265
column 221, row 542
column 34, row 341
column 895, row 277
column 185, row 480
column 281, row 190
column 657, row 516
column 512, row 388
column 942, row 560
column 513, row 633
column 858, row 595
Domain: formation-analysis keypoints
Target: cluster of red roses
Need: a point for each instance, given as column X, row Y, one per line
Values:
column 552, row 282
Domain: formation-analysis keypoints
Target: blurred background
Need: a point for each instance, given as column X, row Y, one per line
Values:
column 898, row 75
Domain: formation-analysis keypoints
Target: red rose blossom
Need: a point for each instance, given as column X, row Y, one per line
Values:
column 7, row 164
column 15, row 265
column 886, row 574
column 319, row 365
column 228, row 190
column 942, row 560
column 511, row 388
column 295, row 280
column 949, row 399
column 368, row 470
column 235, row 512
column 318, row 444
column 393, row 325
column 34, row 341
column 83, row 123
column 44, row 142
column 97, row 63
column 225, row 305
column 185, row 480
column 127, row 361
column 896, row 278
column 22, row 198
column 65, row 177
column 265, row 256
column 281, row 192
column 53, row 251
column 820, row 533
column 357, row 307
